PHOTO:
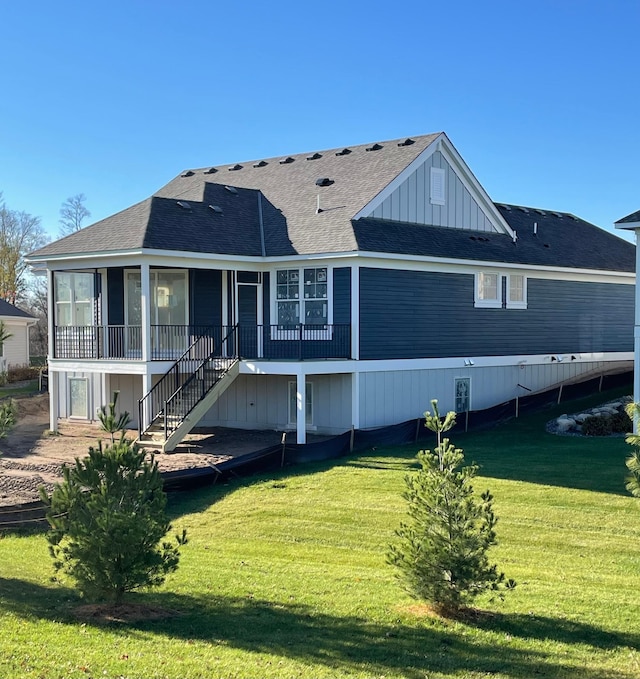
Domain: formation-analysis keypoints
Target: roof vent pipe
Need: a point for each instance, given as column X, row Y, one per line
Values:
column 515, row 236
column 535, row 228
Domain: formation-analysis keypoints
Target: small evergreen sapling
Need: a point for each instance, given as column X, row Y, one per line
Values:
column 633, row 461
column 442, row 550
column 108, row 523
column 110, row 421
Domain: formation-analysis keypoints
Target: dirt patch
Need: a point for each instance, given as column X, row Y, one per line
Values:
column 31, row 456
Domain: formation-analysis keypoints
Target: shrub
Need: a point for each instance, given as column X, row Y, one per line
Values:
column 108, row 523
column 22, row 373
column 442, row 550
column 633, row 462
column 605, row 424
column 8, row 416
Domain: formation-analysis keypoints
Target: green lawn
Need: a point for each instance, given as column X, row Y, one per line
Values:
column 285, row 576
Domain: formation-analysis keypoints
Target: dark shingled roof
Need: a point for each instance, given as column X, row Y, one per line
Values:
column 633, row 218
column 561, row 240
column 7, row 309
column 281, row 196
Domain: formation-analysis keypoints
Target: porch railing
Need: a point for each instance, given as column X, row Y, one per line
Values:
column 170, row 342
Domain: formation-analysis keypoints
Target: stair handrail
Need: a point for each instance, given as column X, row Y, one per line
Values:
column 174, row 372
column 232, row 357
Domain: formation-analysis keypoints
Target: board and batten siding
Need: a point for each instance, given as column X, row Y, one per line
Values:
column 262, row 402
column 414, row 314
column 410, row 202
column 390, row 397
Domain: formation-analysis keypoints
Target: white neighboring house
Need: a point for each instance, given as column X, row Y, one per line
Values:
column 15, row 351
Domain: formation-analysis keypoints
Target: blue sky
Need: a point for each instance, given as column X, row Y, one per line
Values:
column 112, row 99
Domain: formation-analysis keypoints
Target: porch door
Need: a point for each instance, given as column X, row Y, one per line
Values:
column 248, row 320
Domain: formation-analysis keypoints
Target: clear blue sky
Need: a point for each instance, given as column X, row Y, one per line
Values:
column 112, row 99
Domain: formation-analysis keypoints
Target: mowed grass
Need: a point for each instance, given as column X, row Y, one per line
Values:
column 285, row 576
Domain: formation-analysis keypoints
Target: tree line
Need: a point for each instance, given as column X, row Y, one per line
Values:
column 20, row 234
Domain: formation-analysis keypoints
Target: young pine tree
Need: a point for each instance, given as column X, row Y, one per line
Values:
column 633, row 461
column 110, row 421
column 442, row 549
column 108, row 523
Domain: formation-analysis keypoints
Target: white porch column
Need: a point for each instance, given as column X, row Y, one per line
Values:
column 145, row 309
column 51, row 320
column 301, row 400
column 146, row 388
column 355, row 400
column 54, row 402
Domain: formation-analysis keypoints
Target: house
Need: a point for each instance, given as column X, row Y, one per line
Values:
column 632, row 223
column 329, row 290
column 15, row 350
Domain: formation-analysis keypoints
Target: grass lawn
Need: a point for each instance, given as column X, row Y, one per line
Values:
column 285, row 576
column 24, row 389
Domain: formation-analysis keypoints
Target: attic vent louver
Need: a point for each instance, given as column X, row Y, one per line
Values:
column 324, row 181
column 232, row 189
column 315, row 156
column 575, row 219
column 505, row 207
column 375, row 147
column 211, row 170
column 558, row 215
column 344, row 152
column 541, row 212
column 216, row 208
column 523, row 209
column 184, row 205
column 262, row 163
column 237, row 166
column 286, row 161
column 406, row 142
column 188, row 173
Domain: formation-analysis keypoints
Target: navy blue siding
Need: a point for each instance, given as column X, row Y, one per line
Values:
column 342, row 295
column 411, row 314
column 206, row 297
column 115, row 296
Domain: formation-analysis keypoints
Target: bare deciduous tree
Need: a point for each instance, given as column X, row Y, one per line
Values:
column 72, row 213
column 20, row 233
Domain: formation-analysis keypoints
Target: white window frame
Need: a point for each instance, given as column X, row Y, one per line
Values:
column 437, row 189
column 153, row 288
column 293, row 387
column 73, row 299
column 492, row 303
column 319, row 331
column 88, row 409
column 516, row 304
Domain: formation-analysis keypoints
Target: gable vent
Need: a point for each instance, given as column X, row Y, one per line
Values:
column 344, row 152
column 211, row 170
column 184, row 205
column 237, row 166
column 262, row 163
column 523, row 209
column 375, row 147
column 188, row 173
column 315, row 156
column 286, row 161
column 324, row 181
column 216, row 208
column 232, row 189
column 406, row 142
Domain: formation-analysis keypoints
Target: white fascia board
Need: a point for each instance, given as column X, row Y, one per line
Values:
column 629, row 226
column 36, row 262
column 96, row 366
column 443, row 144
column 385, row 260
column 257, row 367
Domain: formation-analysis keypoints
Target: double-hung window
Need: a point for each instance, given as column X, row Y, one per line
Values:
column 74, row 298
column 302, row 297
column 516, row 291
column 488, row 289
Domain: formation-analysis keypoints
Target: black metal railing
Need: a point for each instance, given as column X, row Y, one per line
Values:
column 170, row 342
column 187, row 382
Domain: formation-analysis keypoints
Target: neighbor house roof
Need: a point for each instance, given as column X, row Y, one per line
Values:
column 630, row 220
column 7, row 310
column 305, row 204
